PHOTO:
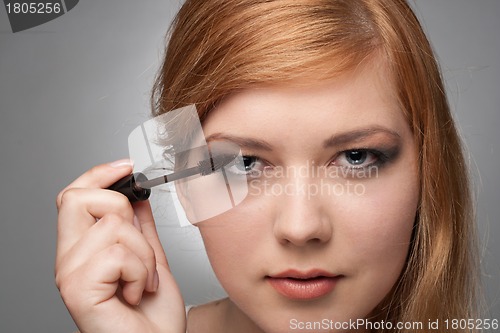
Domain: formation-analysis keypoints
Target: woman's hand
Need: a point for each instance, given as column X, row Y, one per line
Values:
column 110, row 268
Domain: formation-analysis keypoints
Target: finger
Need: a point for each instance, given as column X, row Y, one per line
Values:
column 81, row 207
column 111, row 265
column 148, row 227
column 110, row 230
column 101, row 176
column 167, row 299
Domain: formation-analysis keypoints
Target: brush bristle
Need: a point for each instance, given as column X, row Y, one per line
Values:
column 213, row 164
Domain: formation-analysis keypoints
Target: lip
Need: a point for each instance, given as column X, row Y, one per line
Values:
column 299, row 285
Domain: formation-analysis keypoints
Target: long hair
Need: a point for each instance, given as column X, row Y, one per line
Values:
column 217, row 47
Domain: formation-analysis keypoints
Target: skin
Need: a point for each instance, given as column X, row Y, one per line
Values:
column 112, row 274
column 364, row 238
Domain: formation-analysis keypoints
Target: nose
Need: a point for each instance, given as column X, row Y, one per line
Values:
column 301, row 217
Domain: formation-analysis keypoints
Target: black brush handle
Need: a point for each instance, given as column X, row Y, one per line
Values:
column 128, row 187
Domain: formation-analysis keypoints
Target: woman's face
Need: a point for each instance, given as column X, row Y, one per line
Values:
column 333, row 191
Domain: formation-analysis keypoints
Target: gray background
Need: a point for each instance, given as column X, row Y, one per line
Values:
column 72, row 89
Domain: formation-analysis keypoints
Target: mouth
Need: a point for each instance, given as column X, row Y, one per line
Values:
column 299, row 285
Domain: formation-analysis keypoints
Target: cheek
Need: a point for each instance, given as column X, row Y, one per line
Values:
column 376, row 227
column 233, row 241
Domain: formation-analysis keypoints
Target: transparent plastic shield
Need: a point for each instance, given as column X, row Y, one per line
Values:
column 191, row 180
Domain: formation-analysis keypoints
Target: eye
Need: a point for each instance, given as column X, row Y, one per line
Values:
column 250, row 166
column 357, row 158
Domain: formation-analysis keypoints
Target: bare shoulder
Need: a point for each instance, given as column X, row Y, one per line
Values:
column 208, row 317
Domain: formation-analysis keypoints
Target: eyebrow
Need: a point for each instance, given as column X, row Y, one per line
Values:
column 243, row 142
column 334, row 140
column 358, row 135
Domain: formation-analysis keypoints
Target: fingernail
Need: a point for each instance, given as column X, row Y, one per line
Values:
column 156, row 281
column 121, row 163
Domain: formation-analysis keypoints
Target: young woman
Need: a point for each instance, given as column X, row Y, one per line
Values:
column 346, row 86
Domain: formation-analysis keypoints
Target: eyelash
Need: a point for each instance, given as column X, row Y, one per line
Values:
column 381, row 158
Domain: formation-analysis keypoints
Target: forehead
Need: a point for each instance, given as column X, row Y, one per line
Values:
column 365, row 96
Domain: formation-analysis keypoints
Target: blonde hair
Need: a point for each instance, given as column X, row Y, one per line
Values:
column 217, row 47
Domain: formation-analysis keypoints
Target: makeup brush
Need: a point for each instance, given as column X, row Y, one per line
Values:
column 137, row 187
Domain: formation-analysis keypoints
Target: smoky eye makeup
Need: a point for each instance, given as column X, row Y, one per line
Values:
column 355, row 152
column 355, row 163
column 366, row 161
column 358, row 157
